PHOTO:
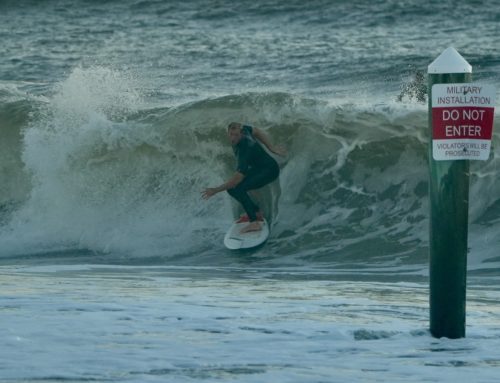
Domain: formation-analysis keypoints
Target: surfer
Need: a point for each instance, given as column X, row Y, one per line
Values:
column 255, row 169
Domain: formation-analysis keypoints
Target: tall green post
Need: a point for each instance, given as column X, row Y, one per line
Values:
column 449, row 208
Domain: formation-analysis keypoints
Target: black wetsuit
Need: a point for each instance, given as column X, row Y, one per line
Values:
column 258, row 167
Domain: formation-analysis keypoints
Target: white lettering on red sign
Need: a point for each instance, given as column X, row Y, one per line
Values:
column 462, row 121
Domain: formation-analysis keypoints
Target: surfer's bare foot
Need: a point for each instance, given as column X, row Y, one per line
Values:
column 253, row 226
column 243, row 218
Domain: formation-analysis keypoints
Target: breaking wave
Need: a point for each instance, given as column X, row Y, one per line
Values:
column 93, row 168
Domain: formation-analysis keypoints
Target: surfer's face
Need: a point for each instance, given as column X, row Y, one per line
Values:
column 234, row 136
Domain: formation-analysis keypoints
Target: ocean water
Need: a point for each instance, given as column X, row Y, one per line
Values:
column 112, row 121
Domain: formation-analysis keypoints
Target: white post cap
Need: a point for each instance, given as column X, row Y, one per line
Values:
column 449, row 61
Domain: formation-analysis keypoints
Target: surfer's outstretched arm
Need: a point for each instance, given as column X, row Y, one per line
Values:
column 231, row 183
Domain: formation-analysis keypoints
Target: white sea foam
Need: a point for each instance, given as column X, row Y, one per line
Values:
column 175, row 325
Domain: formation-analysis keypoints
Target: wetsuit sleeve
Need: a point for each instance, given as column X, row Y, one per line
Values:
column 244, row 150
column 243, row 153
column 247, row 129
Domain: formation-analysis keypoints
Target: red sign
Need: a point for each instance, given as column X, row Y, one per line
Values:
column 462, row 122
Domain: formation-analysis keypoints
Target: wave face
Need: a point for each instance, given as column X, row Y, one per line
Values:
column 93, row 168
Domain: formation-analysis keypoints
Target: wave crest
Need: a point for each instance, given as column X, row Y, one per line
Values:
column 104, row 172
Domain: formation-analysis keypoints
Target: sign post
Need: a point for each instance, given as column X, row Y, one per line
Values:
column 461, row 122
column 449, row 204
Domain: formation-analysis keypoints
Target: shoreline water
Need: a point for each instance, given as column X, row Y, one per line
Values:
column 150, row 324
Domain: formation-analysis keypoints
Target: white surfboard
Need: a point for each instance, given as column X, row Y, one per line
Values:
column 235, row 240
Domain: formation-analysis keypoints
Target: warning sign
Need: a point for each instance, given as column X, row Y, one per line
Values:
column 462, row 121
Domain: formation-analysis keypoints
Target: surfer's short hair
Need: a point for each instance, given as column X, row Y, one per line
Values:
column 233, row 126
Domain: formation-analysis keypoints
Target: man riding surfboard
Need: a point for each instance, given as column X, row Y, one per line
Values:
column 255, row 169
